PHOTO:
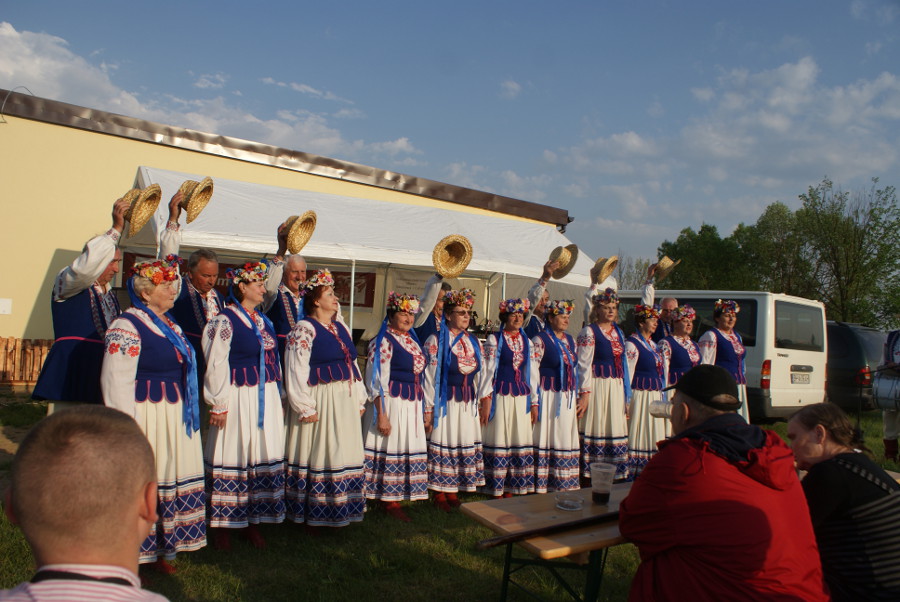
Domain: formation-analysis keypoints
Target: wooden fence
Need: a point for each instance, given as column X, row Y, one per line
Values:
column 21, row 360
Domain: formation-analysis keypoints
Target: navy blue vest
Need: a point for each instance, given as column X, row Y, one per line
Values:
column 461, row 386
column 510, row 381
column 161, row 370
column 647, row 372
column 680, row 361
column 605, row 364
column 535, row 327
column 428, row 328
column 662, row 331
column 727, row 358
column 404, row 382
column 550, row 364
column 188, row 313
column 283, row 322
column 330, row 360
column 243, row 358
column 71, row 371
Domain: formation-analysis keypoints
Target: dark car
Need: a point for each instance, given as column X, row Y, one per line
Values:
column 853, row 350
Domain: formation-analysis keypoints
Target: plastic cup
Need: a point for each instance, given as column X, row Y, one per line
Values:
column 602, row 474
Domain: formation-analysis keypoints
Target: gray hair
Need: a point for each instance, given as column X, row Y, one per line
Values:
column 143, row 285
column 196, row 256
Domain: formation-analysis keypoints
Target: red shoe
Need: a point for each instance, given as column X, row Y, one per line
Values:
column 221, row 540
column 255, row 537
column 507, row 494
column 162, row 566
column 453, row 501
column 440, row 500
column 394, row 509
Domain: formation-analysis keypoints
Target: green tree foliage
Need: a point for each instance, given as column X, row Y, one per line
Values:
column 851, row 244
column 839, row 247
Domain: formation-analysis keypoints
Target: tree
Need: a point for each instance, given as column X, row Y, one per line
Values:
column 708, row 261
column 631, row 273
column 850, row 241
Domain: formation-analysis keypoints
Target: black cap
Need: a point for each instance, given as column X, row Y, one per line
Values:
column 704, row 382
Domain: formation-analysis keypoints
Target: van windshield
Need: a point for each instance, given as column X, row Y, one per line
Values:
column 746, row 318
column 799, row 327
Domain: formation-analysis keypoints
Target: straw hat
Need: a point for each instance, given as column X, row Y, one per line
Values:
column 451, row 255
column 603, row 267
column 300, row 229
column 566, row 256
column 196, row 196
column 664, row 267
column 143, row 206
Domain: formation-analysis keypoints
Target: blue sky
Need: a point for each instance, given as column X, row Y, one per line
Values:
column 639, row 118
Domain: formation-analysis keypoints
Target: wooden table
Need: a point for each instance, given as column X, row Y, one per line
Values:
column 522, row 513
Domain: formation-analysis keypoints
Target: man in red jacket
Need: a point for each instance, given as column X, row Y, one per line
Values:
column 718, row 513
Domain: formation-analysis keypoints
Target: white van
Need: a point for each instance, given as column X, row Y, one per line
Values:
column 784, row 337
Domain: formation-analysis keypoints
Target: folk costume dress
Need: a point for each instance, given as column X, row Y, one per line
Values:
column 146, row 376
column 396, row 465
column 556, row 446
column 534, row 324
column 82, row 311
column 325, row 479
column 245, row 462
column 453, row 372
column 679, row 354
column 603, row 372
column 645, row 365
column 282, row 306
column 426, row 323
column 510, row 379
column 727, row 351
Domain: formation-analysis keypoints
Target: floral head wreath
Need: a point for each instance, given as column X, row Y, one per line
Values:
column 514, row 306
column 561, row 307
column 607, row 296
column 253, row 271
column 320, row 278
column 407, row 303
column 726, row 306
column 684, row 311
column 646, row 311
column 159, row 271
column 461, row 298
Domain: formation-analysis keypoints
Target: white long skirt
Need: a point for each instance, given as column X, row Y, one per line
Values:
column 556, row 446
column 455, row 455
column 325, row 478
column 397, row 465
column 603, row 427
column 644, row 430
column 742, row 396
column 181, row 526
column 508, row 442
column 244, row 463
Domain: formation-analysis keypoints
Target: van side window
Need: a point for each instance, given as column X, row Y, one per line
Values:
column 799, row 327
column 746, row 322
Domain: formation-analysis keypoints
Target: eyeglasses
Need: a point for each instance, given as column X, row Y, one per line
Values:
column 461, row 312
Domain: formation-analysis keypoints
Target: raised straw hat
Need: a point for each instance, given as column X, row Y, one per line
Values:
column 566, row 256
column 300, row 229
column 603, row 267
column 664, row 267
column 143, row 206
column 452, row 255
column 196, row 196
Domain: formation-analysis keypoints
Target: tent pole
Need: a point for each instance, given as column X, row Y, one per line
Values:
column 352, row 292
column 503, row 288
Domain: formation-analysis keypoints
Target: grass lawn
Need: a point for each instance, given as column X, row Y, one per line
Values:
column 433, row 558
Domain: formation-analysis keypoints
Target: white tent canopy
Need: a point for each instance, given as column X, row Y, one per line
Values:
column 242, row 219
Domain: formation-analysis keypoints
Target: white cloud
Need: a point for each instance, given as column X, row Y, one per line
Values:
column 656, row 109
column 510, row 89
column 213, row 81
column 306, row 90
column 703, row 94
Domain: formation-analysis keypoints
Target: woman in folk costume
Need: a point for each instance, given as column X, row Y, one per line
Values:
column 394, row 424
column 556, row 445
column 679, row 352
column 245, row 444
column 724, row 347
column 604, row 387
column 150, row 373
column 452, row 378
column 325, row 477
column 645, row 365
column 510, row 404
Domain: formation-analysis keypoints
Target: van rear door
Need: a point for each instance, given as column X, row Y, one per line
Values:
column 798, row 368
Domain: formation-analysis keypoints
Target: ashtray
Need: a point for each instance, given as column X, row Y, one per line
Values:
column 569, row 501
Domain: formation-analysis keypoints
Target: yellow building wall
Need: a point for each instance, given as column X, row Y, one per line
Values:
column 57, row 188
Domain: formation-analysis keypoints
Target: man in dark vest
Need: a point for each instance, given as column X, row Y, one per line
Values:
column 83, row 306
column 428, row 320
column 283, row 303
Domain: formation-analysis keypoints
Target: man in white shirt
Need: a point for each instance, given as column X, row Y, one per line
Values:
column 83, row 306
column 83, row 491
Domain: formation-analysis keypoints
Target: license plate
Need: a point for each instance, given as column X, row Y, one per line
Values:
column 799, row 379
